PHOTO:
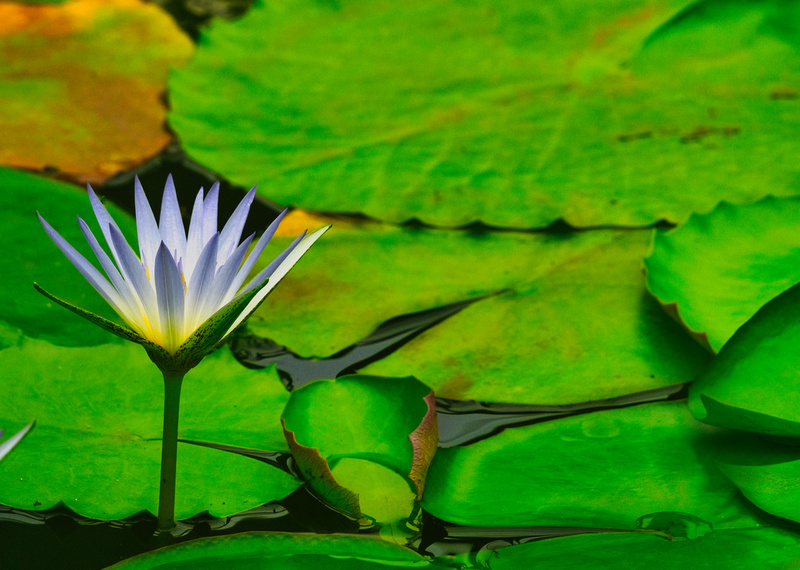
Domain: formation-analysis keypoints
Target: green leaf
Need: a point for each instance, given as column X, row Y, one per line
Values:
column 714, row 272
column 766, row 471
column 29, row 255
column 581, row 328
column 766, row 547
column 574, row 306
column 82, row 82
column 352, row 437
column 746, row 385
column 605, row 469
column 97, row 446
column 257, row 550
column 513, row 113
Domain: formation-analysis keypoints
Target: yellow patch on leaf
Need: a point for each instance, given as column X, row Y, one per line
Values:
column 82, row 90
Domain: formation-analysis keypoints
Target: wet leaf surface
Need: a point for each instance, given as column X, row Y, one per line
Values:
column 605, row 469
column 737, row 549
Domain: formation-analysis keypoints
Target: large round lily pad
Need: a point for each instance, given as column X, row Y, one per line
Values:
column 580, row 328
column 514, row 113
column 606, row 469
column 96, row 445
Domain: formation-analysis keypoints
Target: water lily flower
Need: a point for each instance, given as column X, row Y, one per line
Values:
column 7, row 446
column 184, row 293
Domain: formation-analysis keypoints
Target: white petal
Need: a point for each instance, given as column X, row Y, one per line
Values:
column 210, row 212
column 146, row 227
column 279, row 273
column 128, row 306
column 248, row 264
column 8, row 445
column 170, row 224
column 232, row 232
column 220, row 291
column 89, row 272
column 104, row 219
column 133, row 271
column 169, row 292
column 200, row 283
column 194, row 241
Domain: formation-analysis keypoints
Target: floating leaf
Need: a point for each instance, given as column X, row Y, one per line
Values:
column 714, row 272
column 82, row 84
column 97, row 442
column 580, row 311
column 766, row 471
column 353, row 436
column 29, row 255
column 746, row 385
column 511, row 112
column 766, row 547
column 378, row 272
column 582, row 328
column 605, row 470
column 280, row 550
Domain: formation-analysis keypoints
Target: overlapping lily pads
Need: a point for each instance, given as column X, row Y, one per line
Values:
column 605, row 470
column 719, row 268
column 580, row 329
column 97, row 441
column 82, row 83
column 751, row 383
column 514, row 113
column 573, row 322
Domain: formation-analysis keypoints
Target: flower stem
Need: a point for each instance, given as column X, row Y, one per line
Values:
column 169, row 451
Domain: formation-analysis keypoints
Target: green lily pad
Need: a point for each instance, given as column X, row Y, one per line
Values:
column 353, row 436
column 751, row 383
column 579, row 311
column 513, row 113
column 605, row 469
column 765, row 471
column 378, row 272
column 96, row 445
column 766, row 547
column 582, row 328
column 29, row 255
column 719, row 268
column 252, row 550
column 81, row 88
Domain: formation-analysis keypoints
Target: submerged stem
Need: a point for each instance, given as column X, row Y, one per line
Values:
column 169, row 451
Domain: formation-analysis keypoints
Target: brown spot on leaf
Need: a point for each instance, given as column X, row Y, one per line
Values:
column 702, row 131
column 456, row 386
column 626, row 137
column 783, row 93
